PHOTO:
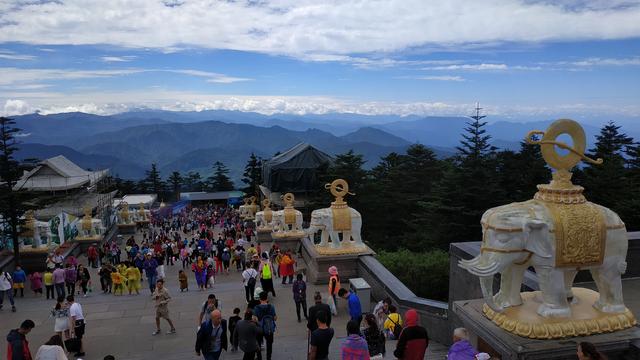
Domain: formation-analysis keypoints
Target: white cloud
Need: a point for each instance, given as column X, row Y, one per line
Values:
column 16, row 107
column 302, row 27
column 470, row 67
column 590, row 62
column 117, row 58
column 210, row 76
column 10, row 55
column 442, row 78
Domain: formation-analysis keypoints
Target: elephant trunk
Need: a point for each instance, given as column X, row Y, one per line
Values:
column 486, row 284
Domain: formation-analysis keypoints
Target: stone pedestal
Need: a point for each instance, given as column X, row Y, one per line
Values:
column 318, row 265
column 496, row 341
column 284, row 242
column 127, row 229
column 263, row 236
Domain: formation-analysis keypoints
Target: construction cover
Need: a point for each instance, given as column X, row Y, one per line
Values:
column 295, row 170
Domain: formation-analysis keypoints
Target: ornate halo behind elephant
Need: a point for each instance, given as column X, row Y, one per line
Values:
column 520, row 235
column 322, row 220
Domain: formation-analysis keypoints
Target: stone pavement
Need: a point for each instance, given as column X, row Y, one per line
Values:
column 122, row 325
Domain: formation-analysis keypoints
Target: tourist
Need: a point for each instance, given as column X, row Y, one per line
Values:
column 18, row 346
column 287, row 268
column 200, row 271
column 77, row 321
column 266, row 314
column 353, row 302
column 381, row 310
column 118, row 283
column 92, row 256
column 49, row 263
column 226, row 259
column 233, row 320
column 70, row 276
column 320, row 338
column 58, row 258
column 315, row 309
column 52, row 350
column 413, row 341
column 83, row 278
column 209, row 306
column 393, row 324
column 461, row 348
column 105, row 277
column 256, row 298
column 245, row 336
column 150, row 265
column 266, row 272
column 19, row 278
column 212, row 337
column 36, row 283
column 162, row 298
column 48, row 283
column 300, row 296
column 6, row 285
column 58, row 280
column 354, row 346
column 587, row 351
column 183, row 280
column 133, row 277
column 62, row 321
column 334, row 287
column 374, row 337
column 249, row 278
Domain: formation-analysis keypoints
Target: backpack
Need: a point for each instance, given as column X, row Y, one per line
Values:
column 266, row 271
column 252, row 282
column 268, row 323
column 397, row 329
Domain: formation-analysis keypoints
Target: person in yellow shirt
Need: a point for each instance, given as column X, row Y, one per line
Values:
column 133, row 279
column 117, row 280
column 393, row 324
column 48, row 283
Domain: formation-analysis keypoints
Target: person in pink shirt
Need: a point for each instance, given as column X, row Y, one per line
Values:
column 58, row 280
column 36, row 282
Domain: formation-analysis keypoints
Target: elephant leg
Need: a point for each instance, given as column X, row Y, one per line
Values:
column 335, row 239
column 346, row 237
column 609, row 282
column 554, row 301
column 569, row 277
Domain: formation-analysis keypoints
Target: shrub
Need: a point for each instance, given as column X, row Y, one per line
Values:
column 426, row 274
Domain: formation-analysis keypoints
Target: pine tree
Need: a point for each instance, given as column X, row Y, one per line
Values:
column 153, row 181
column 176, row 181
column 193, row 181
column 220, row 181
column 252, row 176
column 348, row 166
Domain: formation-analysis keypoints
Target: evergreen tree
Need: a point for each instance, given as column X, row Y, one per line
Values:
column 347, row 166
column 520, row 173
column 193, row 181
column 176, row 181
column 12, row 202
column 220, row 181
column 252, row 176
column 153, row 181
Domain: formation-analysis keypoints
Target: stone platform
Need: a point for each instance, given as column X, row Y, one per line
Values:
column 496, row 341
column 317, row 265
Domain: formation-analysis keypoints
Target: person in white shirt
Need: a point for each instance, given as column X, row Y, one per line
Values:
column 5, row 287
column 77, row 318
column 52, row 350
column 249, row 279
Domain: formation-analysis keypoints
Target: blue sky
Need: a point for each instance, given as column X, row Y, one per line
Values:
column 520, row 59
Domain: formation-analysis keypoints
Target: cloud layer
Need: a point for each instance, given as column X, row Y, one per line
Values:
column 311, row 29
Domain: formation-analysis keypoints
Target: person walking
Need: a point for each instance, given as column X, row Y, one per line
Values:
column 334, row 288
column 212, row 337
column 246, row 336
column 77, row 322
column 53, row 349
column 207, row 308
column 61, row 319
column 35, row 279
column 461, row 348
column 233, row 321
column 266, row 314
column 374, row 337
column 286, row 268
column 19, row 278
column 92, row 256
column 413, row 341
column 161, row 297
column 150, row 265
column 249, row 278
column 315, row 309
column 354, row 346
column 300, row 296
column 83, row 279
column 393, row 324
column 320, row 338
column 6, row 287
column 48, row 283
column 58, row 280
column 18, row 346
column 70, row 277
column 353, row 302
column 266, row 279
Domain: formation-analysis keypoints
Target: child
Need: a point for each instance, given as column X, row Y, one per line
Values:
column 36, row 283
column 116, row 278
column 48, row 283
column 19, row 278
column 233, row 320
column 184, row 282
column 133, row 279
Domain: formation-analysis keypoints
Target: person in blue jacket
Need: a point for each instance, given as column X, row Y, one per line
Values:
column 355, row 309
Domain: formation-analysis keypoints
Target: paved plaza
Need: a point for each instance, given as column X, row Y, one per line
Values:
column 122, row 325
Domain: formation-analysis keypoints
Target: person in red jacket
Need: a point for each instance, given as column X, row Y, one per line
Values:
column 413, row 341
column 17, row 344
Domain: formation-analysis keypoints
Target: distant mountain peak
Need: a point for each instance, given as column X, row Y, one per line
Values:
column 375, row 136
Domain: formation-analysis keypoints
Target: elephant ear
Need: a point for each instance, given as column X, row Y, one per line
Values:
column 537, row 238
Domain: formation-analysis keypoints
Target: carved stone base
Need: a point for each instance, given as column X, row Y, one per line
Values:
column 127, row 228
column 585, row 320
column 502, row 344
column 318, row 264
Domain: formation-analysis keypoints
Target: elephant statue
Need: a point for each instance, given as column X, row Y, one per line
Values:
column 322, row 220
column 279, row 221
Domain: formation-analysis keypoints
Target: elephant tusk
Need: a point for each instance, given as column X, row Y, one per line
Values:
column 484, row 270
column 471, row 262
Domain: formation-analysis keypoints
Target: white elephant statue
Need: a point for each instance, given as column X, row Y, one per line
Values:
column 279, row 222
column 322, row 220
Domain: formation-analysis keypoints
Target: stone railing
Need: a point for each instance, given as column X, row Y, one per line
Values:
column 433, row 314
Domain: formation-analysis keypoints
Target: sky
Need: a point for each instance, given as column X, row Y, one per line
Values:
column 519, row 59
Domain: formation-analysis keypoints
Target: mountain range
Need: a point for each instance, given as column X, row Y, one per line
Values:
column 128, row 143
